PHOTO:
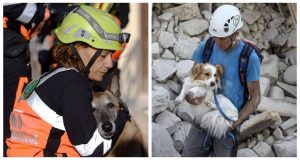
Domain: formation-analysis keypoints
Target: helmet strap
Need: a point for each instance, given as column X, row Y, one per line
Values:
column 232, row 40
column 86, row 69
column 75, row 52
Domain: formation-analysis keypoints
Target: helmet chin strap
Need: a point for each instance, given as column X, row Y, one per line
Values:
column 86, row 69
column 232, row 40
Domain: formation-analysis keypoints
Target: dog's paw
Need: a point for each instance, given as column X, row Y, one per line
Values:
column 177, row 101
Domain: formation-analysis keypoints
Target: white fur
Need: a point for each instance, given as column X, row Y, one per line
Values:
column 209, row 117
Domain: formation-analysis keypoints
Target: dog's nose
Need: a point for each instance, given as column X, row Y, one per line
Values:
column 212, row 84
column 107, row 126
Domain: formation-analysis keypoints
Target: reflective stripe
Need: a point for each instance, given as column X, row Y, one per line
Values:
column 55, row 120
column 17, row 110
column 95, row 141
column 39, row 106
column 98, row 28
column 43, row 79
column 27, row 13
column 7, row 4
column 47, row 114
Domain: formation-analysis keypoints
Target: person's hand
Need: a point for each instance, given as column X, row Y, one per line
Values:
column 194, row 99
column 36, row 29
column 47, row 14
column 234, row 125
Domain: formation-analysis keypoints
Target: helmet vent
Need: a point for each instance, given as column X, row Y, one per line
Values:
column 236, row 20
column 82, row 33
column 226, row 29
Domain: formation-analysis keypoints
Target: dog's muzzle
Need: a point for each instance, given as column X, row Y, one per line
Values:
column 107, row 126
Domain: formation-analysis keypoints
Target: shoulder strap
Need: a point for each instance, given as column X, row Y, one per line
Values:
column 253, row 46
column 243, row 63
column 208, row 49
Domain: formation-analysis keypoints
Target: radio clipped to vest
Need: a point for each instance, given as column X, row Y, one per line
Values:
column 33, row 84
column 29, row 89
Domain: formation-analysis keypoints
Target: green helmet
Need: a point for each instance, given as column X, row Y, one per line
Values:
column 92, row 26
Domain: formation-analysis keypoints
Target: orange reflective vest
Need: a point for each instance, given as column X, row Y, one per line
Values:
column 36, row 130
column 26, row 33
column 30, row 135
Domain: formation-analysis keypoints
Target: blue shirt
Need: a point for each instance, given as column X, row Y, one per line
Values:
column 231, row 86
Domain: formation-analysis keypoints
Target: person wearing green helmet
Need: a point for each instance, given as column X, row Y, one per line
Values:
column 54, row 115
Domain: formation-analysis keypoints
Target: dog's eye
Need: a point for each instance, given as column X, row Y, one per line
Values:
column 215, row 75
column 110, row 105
column 207, row 74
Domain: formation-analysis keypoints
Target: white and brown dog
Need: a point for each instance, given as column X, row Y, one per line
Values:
column 203, row 80
column 106, row 105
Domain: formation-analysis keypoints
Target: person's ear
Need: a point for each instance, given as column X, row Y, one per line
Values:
column 77, row 47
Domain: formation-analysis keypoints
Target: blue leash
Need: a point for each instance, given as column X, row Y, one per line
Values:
column 207, row 141
column 219, row 108
column 229, row 135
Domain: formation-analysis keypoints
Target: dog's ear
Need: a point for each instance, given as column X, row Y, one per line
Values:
column 196, row 70
column 220, row 69
column 114, row 86
column 96, row 96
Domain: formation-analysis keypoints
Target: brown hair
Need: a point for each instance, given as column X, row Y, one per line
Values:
column 196, row 70
column 64, row 57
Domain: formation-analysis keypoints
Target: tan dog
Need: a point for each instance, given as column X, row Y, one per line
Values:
column 106, row 105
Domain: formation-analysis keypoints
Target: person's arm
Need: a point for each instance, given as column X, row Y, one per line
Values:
column 79, row 122
column 252, row 103
column 194, row 100
column 27, row 13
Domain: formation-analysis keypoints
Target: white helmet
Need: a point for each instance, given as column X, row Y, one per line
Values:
column 225, row 21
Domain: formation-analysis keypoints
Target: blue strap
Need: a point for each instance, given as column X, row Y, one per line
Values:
column 229, row 136
column 228, row 141
column 208, row 49
column 219, row 108
column 207, row 141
